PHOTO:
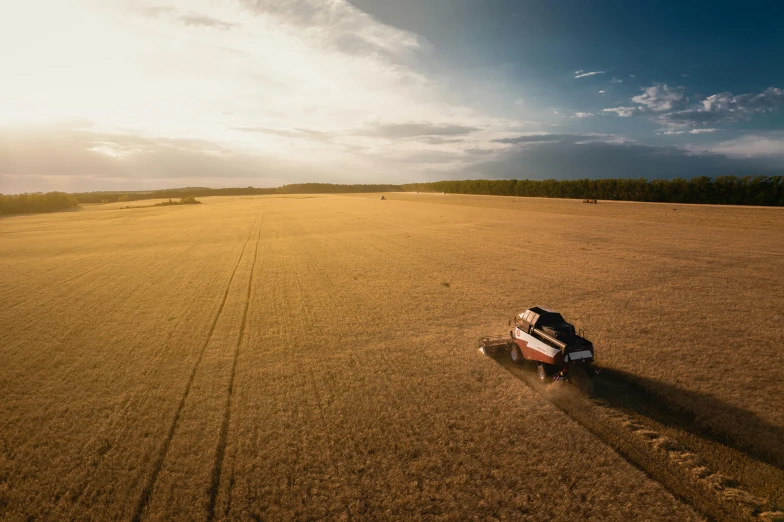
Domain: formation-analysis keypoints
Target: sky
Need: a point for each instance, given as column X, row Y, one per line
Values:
column 143, row 94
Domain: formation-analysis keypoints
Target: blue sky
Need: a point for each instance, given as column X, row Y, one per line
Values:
column 538, row 45
column 573, row 64
column 147, row 93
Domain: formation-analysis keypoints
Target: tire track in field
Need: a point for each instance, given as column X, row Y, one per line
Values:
column 124, row 414
column 147, row 491
column 220, row 453
column 292, row 338
column 663, row 459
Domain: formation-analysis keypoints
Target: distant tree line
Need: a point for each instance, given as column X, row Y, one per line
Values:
column 725, row 190
column 36, row 202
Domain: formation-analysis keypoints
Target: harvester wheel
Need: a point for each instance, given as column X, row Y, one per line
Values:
column 516, row 355
column 540, row 371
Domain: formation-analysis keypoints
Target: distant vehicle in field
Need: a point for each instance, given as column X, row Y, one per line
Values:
column 543, row 336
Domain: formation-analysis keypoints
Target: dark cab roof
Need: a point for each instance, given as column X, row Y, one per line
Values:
column 544, row 317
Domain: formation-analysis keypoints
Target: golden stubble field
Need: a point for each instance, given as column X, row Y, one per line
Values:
column 314, row 357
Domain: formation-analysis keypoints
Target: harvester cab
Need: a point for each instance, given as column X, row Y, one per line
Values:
column 546, row 323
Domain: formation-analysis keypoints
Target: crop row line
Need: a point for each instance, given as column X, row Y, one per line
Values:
column 217, row 468
column 147, row 491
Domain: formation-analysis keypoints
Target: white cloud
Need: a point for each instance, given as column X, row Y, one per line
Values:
column 580, row 74
column 133, row 67
column 728, row 107
column 583, row 114
column 661, row 97
column 672, row 107
column 295, row 82
column 616, row 80
column 751, row 146
column 623, row 112
column 601, row 92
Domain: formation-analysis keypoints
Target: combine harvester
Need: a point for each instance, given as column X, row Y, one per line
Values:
column 543, row 336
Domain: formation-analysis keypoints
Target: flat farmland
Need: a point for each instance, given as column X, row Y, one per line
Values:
column 314, row 357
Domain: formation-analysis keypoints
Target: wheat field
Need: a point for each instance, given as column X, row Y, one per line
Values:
column 314, row 357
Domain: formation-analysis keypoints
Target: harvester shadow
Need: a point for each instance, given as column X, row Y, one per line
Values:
column 696, row 413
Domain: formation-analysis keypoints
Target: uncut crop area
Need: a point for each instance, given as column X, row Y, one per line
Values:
column 314, row 357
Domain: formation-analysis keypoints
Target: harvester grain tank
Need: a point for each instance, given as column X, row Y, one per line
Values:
column 541, row 335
